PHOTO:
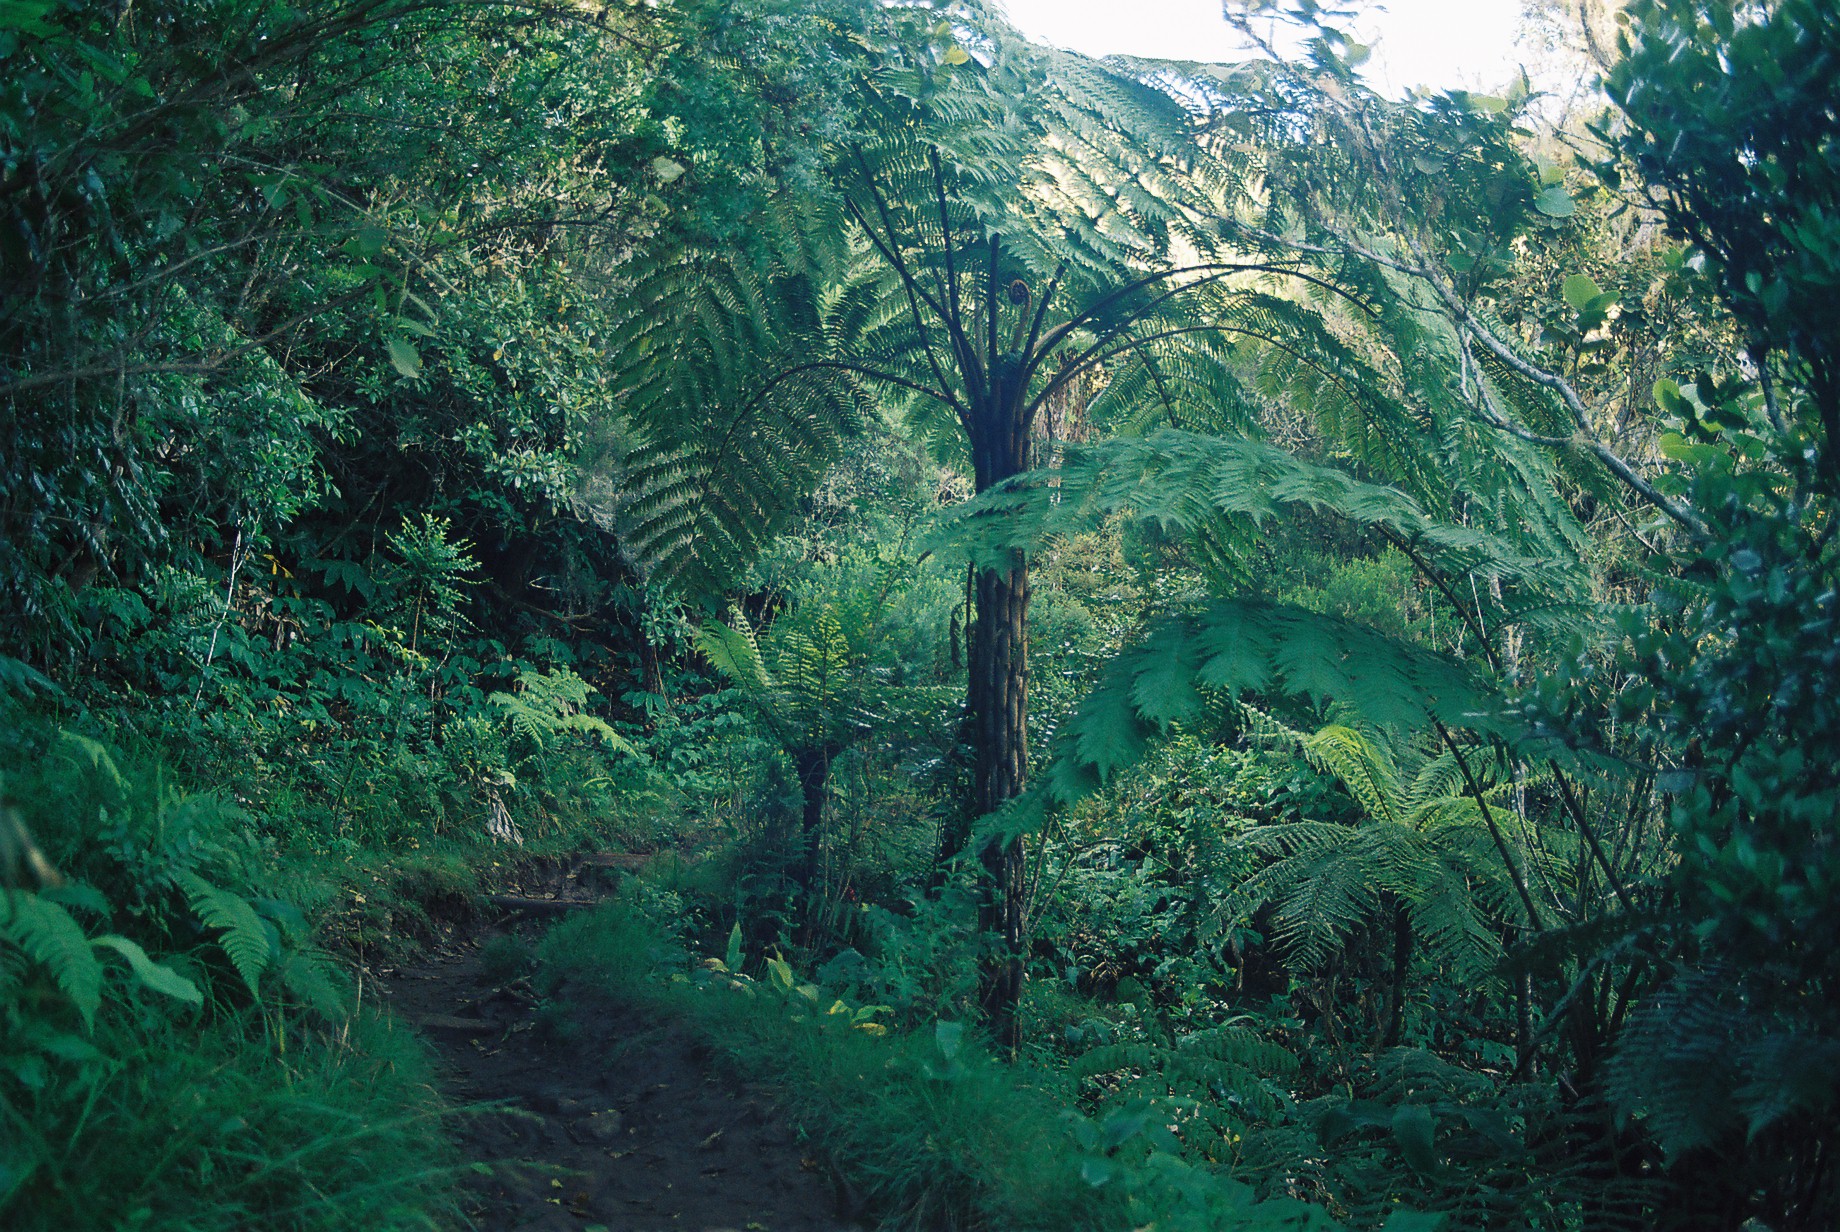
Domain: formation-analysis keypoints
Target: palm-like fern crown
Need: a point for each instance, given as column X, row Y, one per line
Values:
column 1000, row 218
column 820, row 672
column 1424, row 847
column 998, row 221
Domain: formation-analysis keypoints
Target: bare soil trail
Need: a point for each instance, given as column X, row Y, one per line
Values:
column 625, row 1127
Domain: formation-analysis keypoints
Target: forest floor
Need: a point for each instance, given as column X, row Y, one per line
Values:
column 625, row 1127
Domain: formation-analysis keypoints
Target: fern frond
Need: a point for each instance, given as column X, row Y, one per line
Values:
column 243, row 934
column 1362, row 767
column 550, row 702
column 47, row 934
column 1182, row 482
column 1231, row 646
column 735, row 653
column 1220, row 1067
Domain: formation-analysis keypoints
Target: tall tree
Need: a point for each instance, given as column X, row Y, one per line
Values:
column 999, row 220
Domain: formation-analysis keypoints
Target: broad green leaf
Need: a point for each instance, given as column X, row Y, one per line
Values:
column 732, row 959
column 17, row 677
column 950, row 1037
column 1555, row 202
column 1676, row 447
column 369, row 241
column 668, row 170
column 1580, row 290
column 160, row 978
column 957, row 55
column 1414, row 1130
column 404, row 358
column 1121, row 1126
column 1669, row 398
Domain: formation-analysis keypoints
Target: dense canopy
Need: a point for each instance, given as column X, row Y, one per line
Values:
column 1152, row 644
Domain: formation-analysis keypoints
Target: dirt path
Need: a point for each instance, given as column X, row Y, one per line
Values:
column 623, row 1128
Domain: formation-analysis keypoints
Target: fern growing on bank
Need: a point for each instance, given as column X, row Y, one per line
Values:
column 41, row 930
column 175, row 1052
column 1218, row 1083
column 245, row 938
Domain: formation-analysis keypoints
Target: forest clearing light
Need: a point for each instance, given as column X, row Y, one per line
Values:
column 1444, row 44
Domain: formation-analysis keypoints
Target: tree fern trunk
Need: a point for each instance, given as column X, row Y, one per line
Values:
column 999, row 706
column 1402, row 971
column 998, row 697
column 813, row 766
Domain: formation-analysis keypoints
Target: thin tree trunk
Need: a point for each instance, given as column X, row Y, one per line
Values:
column 998, row 703
column 813, row 766
column 999, row 706
column 1402, row 970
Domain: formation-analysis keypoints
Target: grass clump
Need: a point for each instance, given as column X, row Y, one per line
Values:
column 504, row 958
column 157, row 1121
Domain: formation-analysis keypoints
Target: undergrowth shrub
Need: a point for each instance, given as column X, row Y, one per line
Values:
column 932, row 1130
column 175, row 1050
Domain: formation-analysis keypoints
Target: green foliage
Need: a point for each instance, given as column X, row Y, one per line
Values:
column 1234, row 645
column 1423, row 847
column 1222, row 1078
column 224, row 1083
column 428, row 574
column 243, row 936
column 1720, row 128
column 931, row 1129
column 378, row 378
column 157, row 1124
column 44, row 931
column 1700, row 1068
column 1189, row 485
column 547, row 704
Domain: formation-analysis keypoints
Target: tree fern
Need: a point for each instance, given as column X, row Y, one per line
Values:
column 1702, row 1067
column 991, row 229
column 1424, row 845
